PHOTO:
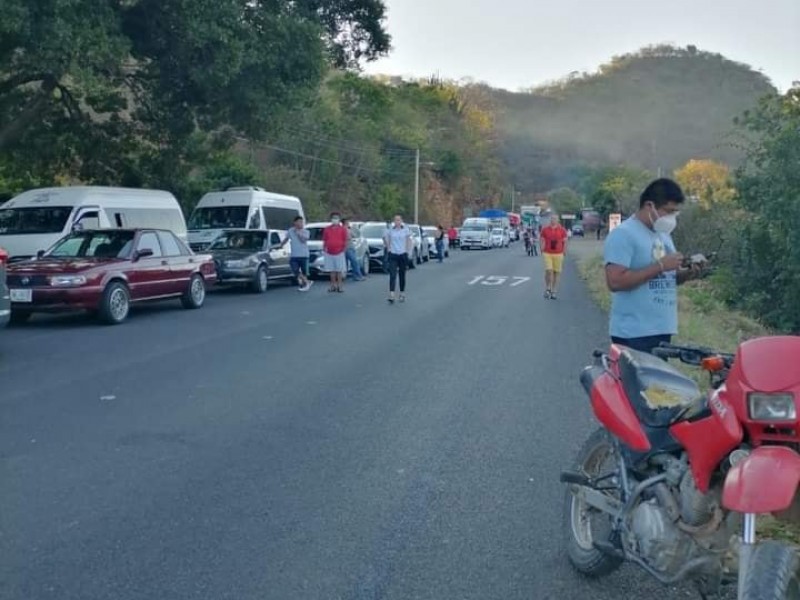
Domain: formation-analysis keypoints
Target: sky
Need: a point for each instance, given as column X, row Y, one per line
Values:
column 516, row 44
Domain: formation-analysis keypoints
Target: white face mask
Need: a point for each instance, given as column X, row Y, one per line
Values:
column 665, row 224
column 335, row 220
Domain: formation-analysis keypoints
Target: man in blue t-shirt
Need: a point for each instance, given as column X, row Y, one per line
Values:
column 643, row 270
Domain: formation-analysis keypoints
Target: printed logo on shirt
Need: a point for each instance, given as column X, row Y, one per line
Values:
column 658, row 251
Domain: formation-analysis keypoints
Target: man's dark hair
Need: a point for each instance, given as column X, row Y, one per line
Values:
column 298, row 218
column 335, row 214
column 660, row 192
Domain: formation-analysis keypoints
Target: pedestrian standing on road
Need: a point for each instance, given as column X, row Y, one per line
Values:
column 452, row 235
column 643, row 270
column 334, row 246
column 554, row 248
column 440, row 243
column 297, row 235
column 350, row 253
column 398, row 241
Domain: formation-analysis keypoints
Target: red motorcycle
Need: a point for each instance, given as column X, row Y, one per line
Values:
column 674, row 479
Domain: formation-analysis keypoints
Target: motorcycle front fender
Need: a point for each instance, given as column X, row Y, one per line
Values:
column 764, row 482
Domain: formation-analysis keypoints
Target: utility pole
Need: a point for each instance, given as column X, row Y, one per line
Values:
column 416, row 190
column 513, row 197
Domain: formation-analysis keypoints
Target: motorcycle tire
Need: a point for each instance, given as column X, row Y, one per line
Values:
column 773, row 573
column 593, row 525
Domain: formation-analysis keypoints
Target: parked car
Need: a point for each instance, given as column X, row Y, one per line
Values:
column 476, row 233
column 577, row 229
column 250, row 257
column 500, row 238
column 372, row 232
column 430, row 233
column 316, row 260
column 421, row 252
column 5, row 298
column 104, row 271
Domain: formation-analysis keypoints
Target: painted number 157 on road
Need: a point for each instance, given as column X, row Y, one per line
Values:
column 498, row 280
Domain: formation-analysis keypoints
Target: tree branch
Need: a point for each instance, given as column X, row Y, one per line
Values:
column 21, row 79
column 14, row 130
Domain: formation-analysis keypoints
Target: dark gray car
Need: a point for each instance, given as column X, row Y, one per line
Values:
column 250, row 257
column 5, row 299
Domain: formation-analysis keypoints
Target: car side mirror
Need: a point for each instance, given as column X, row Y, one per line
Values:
column 143, row 253
column 40, row 254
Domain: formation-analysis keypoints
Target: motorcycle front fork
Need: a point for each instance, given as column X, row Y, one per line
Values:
column 746, row 549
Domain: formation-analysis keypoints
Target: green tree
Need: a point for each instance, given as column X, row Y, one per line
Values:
column 565, row 200
column 767, row 272
column 130, row 91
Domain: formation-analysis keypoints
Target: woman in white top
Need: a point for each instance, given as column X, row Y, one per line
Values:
column 398, row 241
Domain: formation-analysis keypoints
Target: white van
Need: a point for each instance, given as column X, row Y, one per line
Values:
column 476, row 233
column 240, row 208
column 37, row 219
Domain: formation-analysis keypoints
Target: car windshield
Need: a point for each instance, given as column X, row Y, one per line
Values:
column 240, row 240
column 315, row 234
column 431, row 231
column 373, row 231
column 219, row 217
column 497, row 232
column 473, row 228
column 94, row 244
column 34, row 219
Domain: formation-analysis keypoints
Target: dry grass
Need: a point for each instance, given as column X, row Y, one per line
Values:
column 705, row 320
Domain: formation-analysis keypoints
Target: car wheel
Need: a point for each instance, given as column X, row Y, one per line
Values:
column 195, row 296
column 365, row 265
column 261, row 281
column 115, row 304
column 18, row 317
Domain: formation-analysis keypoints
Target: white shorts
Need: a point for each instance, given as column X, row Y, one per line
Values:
column 335, row 262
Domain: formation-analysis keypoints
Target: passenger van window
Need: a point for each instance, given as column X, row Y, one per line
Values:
column 118, row 220
column 89, row 220
column 149, row 241
column 169, row 244
column 255, row 220
column 280, row 218
column 274, row 239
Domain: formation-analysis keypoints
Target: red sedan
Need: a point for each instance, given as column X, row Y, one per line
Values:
column 104, row 271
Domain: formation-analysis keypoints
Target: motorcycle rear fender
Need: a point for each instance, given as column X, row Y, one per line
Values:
column 612, row 408
column 764, row 482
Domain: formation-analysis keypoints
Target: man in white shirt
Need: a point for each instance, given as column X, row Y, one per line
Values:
column 398, row 241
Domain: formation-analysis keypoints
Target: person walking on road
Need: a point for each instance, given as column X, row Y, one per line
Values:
column 334, row 245
column 643, row 270
column 298, row 235
column 350, row 253
column 398, row 241
column 440, row 243
column 554, row 248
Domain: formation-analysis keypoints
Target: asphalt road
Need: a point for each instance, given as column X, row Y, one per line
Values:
column 304, row 446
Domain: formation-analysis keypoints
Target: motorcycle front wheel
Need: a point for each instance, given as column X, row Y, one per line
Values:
column 583, row 524
column 773, row 573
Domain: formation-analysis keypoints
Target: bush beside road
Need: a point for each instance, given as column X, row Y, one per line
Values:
column 703, row 319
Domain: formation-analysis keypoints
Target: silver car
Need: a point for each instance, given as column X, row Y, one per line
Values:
column 373, row 232
column 422, row 252
column 316, row 261
column 430, row 233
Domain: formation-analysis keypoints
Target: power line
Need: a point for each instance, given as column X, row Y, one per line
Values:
column 319, row 139
column 263, row 145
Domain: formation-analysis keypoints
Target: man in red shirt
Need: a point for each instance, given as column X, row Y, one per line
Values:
column 334, row 245
column 554, row 248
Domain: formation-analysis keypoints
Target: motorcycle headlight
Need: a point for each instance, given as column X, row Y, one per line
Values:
column 67, row 280
column 771, row 407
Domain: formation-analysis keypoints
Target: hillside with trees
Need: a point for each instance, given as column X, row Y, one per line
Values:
column 654, row 109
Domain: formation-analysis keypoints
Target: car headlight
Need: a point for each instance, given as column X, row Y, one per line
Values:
column 771, row 407
column 67, row 280
column 237, row 264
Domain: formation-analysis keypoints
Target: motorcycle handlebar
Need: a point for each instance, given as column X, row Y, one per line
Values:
column 691, row 355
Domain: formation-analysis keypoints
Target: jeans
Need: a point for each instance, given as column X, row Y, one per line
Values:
column 398, row 263
column 642, row 344
column 440, row 250
column 352, row 260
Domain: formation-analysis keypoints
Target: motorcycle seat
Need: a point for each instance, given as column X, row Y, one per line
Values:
column 660, row 394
